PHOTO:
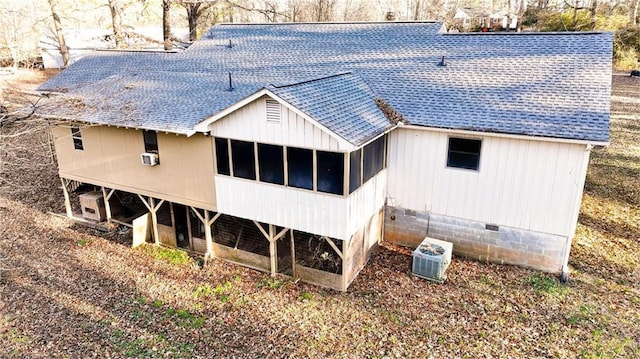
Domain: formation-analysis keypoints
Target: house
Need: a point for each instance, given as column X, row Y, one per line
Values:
column 470, row 19
column 481, row 19
column 296, row 148
column 503, row 20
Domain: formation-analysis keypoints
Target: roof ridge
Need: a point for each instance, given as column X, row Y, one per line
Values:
column 311, row 80
column 329, row 23
column 525, row 33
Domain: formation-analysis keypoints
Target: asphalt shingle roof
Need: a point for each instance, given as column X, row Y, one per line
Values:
column 535, row 84
column 338, row 102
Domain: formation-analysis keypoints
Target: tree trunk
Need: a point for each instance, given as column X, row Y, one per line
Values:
column 634, row 21
column 509, row 15
column 520, row 16
column 575, row 16
column 166, row 24
column 64, row 51
column 115, row 23
column 192, row 17
column 594, row 7
column 416, row 11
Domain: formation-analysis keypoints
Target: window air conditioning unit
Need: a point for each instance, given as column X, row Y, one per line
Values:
column 149, row 159
column 431, row 259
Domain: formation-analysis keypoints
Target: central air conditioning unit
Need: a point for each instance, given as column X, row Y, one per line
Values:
column 431, row 259
column 149, row 159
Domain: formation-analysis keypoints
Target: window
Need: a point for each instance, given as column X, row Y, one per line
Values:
column 150, row 141
column 243, row 154
column 464, row 153
column 271, row 163
column 300, row 167
column 77, row 138
column 273, row 111
column 373, row 161
column 354, row 170
column 222, row 156
column 330, row 172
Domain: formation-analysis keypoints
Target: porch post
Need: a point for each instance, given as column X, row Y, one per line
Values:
column 208, row 238
column 106, row 196
column 273, row 251
column 67, row 201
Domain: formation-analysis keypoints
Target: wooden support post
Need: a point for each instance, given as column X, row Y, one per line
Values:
column 189, row 234
column 281, row 234
column 153, row 208
column 207, row 236
column 333, row 245
column 293, row 256
column 273, row 250
column 207, row 221
column 262, row 230
column 107, row 206
column 344, row 257
column 67, row 201
column 154, row 222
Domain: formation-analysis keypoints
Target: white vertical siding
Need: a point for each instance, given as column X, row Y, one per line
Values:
column 366, row 201
column 528, row 184
column 250, row 123
column 302, row 210
column 330, row 215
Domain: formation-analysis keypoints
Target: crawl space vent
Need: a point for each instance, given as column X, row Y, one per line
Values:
column 431, row 259
column 273, row 111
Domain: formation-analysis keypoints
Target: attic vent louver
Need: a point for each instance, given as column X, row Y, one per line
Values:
column 273, row 111
column 442, row 62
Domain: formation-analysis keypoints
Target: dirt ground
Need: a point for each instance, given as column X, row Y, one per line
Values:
column 70, row 292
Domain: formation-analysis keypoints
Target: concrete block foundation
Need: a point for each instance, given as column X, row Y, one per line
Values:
column 473, row 239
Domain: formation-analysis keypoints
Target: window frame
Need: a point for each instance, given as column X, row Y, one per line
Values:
column 341, row 182
column 235, row 163
column 290, row 172
column 263, row 161
column 478, row 155
column 76, row 137
column 216, row 141
column 353, row 186
column 306, row 160
column 150, row 146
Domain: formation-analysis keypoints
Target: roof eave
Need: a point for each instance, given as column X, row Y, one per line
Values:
column 509, row 135
column 188, row 133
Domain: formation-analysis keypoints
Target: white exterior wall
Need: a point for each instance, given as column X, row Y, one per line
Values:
column 305, row 210
column 366, row 201
column 249, row 123
column 527, row 184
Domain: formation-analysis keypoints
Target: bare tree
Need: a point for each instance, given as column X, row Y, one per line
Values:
column 322, row 10
column 166, row 24
column 23, row 137
column 520, row 15
column 294, row 10
column 64, row 51
column 268, row 8
column 195, row 10
column 594, row 8
column 116, row 21
column 17, row 36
